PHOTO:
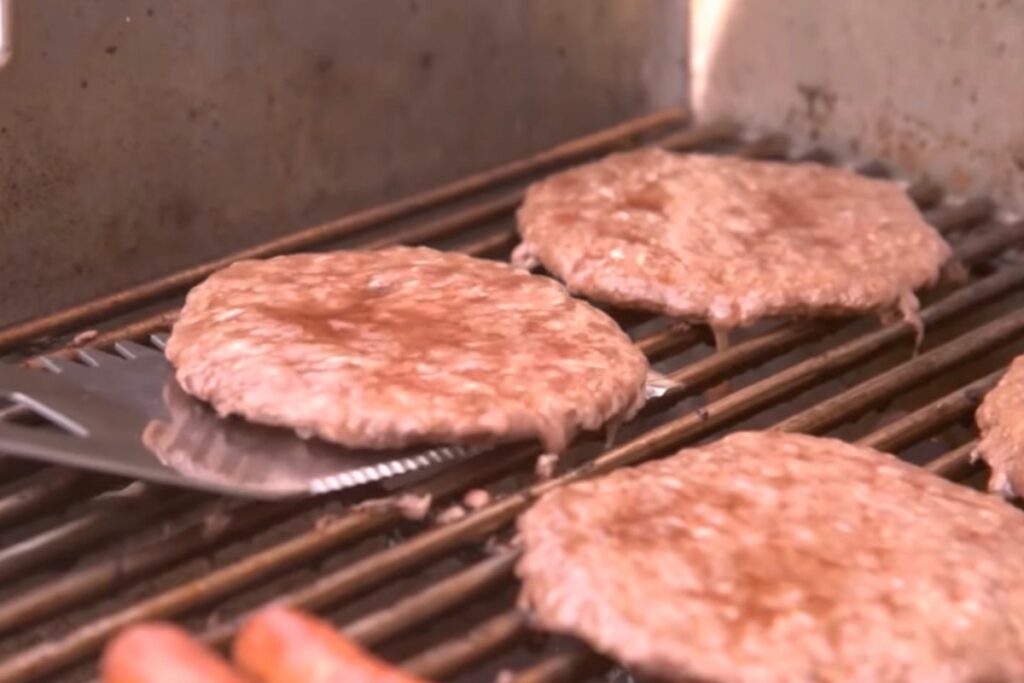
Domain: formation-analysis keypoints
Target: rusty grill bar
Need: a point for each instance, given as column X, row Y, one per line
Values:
column 440, row 598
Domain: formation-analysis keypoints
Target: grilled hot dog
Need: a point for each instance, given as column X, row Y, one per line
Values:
column 282, row 645
column 161, row 653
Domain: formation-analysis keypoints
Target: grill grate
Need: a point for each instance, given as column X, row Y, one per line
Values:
column 440, row 598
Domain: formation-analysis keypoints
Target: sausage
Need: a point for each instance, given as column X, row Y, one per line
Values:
column 282, row 645
column 161, row 653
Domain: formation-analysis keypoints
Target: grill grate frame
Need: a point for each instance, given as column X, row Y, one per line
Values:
column 438, row 598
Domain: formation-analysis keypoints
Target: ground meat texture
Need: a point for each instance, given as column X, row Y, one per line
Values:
column 769, row 557
column 545, row 467
column 727, row 240
column 476, row 499
column 404, row 346
column 451, row 514
column 1000, row 419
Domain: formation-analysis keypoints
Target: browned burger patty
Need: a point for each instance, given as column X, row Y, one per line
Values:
column 1001, row 422
column 404, row 346
column 728, row 240
column 770, row 557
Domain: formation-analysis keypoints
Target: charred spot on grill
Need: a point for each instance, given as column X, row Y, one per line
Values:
column 973, row 395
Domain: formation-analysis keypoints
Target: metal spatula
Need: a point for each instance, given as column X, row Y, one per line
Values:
column 125, row 414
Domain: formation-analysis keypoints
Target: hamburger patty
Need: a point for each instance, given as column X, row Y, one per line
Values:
column 1000, row 420
column 728, row 240
column 773, row 557
column 401, row 347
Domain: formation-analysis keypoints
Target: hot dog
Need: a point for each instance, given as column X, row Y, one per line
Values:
column 282, row 645
column 161, row 653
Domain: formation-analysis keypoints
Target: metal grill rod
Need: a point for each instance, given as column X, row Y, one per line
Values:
column 738, row 356
column 40, row 489
column 557, row 668
column 387, row 623
column 959, row 217
column 856, row 401
column 989, row 243
column 46, row 599
column 561, row 667
column 67, row 537
column 485, row 638
column 928, row 420
column 956, row 464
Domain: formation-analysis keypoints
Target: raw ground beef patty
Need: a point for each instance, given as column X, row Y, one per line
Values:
column 772, row 557
column 392, row 348
column 1000, row 419
column 728, row 240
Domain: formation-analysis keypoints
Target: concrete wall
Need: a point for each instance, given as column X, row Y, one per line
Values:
column 139, row 136
column 934, row 86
